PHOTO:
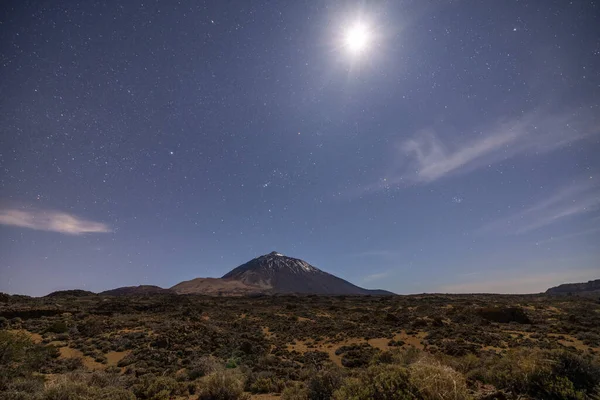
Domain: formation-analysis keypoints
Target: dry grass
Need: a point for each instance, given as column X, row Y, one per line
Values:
column 35, row 337
column 436, row 381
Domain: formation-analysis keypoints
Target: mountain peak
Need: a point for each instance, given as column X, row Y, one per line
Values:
column 283, row 274
column 274, row 273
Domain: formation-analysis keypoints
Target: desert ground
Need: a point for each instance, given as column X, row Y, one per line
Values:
column 78, row 346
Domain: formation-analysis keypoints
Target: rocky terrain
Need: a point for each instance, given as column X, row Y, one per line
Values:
column 74, row 345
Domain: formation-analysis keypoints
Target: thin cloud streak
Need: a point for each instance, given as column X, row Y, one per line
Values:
column 375, row 277
column 377, row 253
column 576, row 199
column 432, row 160
column 425, row 158
column 52, row 221
column 585, row 232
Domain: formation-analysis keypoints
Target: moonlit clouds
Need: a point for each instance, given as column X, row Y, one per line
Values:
column 431, row 159
column 52, row 221
column 428, row 155
column 582, row 197
column 376, row 277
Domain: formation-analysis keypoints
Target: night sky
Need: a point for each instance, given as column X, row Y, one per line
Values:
column 453, row 146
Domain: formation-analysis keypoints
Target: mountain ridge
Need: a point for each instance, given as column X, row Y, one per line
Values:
column 589, row 287
column 268, row 274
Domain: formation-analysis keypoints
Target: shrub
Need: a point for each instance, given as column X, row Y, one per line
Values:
column 103, row 379
column 583, row 372
column 29, row 385
column 543, row 374
column 266, row 382
column 156, row 388
column 222, row 385
column 323, row 383
column 14, row 395
column 19, row 356
column 504, row 315
column 398, row 356
column 202, row 366
column 58, row 327
column 390, row 382
column 73, row 363
column 13, row 347
column 296, row 391
column 233, row 362
column 435, row 381
column 115, row 393
column 23, row 389
column 67, row 390
column 356, row 355
column 396, row 343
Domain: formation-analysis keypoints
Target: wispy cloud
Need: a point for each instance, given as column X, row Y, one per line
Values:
column 584, row 232
column 377, row 253
column 430, row 159
column 521, row 283
column 430, row 155
column 575, row 199
column 53, row 221
column 375, row 277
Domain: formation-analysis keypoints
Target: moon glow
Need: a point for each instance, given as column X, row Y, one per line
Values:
column 357, row 38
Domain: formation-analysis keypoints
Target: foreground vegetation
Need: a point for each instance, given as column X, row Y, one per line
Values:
column 78, row 346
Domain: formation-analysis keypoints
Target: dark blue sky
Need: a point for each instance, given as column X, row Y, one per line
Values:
column 157, row 141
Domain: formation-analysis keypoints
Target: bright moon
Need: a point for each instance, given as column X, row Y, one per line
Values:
column 357, row 38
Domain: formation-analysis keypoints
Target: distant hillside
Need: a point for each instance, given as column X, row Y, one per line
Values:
column 217, row 287
column 590, row 287
column 71, row 293
column 136, row 291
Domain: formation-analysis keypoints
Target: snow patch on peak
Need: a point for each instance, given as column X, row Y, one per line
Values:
column 307, row 267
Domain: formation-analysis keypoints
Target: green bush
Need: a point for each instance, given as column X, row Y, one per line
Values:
column 324, row 383
column 396, row 343
column 356, row 355
column 381, row 382
column 58, row 327
column 543, row 374
column 583, row 372
column 20, row 357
